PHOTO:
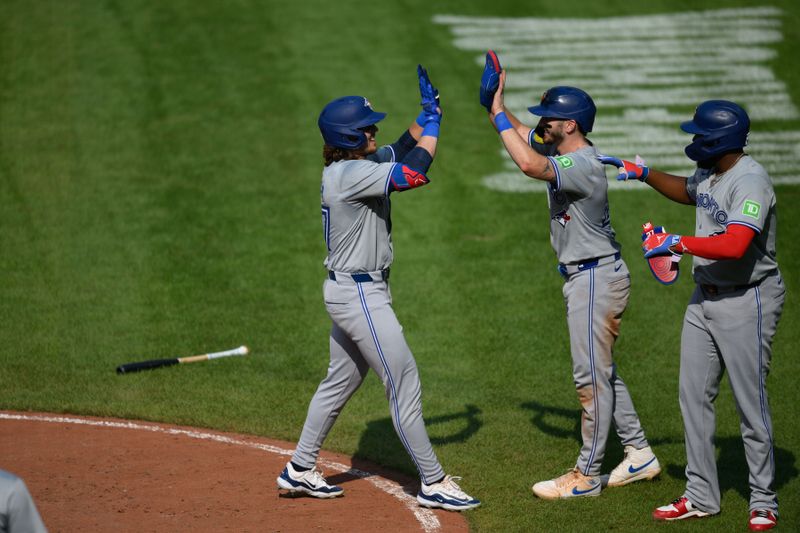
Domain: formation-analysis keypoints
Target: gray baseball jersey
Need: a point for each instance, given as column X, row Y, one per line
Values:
column 580, row 226
column 358, row 236
column 596, row 291
column 17, row 510
column 356, row 215
column 728, row 327
column 742, row 195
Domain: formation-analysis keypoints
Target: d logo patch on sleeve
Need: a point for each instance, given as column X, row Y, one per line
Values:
column 564, row 161
column 751, row 209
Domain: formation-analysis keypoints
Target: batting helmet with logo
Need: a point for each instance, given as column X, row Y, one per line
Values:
column 567, row 102
column 719, row 126
column 342, row 119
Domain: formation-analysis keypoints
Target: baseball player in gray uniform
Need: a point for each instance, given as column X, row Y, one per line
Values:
column 356, row 184
column 596, row 285
column 735, row 308
column 18, row 513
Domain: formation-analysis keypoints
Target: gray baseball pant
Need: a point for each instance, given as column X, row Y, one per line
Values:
column 366, row 334
column 596, row 298
column 733, row 331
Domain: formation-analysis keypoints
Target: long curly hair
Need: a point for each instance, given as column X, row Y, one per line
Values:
column 331, row 154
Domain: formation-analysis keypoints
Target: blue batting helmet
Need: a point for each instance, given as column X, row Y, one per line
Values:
column 568, row 103
column 342, row 119
column 719, row 126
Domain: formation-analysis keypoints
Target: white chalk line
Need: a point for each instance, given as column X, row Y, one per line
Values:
column 426, row 518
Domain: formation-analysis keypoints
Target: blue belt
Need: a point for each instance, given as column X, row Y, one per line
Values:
column 591, row 263
column 359, row 277
column 586, row 265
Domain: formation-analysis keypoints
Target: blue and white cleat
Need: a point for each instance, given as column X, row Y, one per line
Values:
column 571, row 485
column 446, row 495
column 637, row 465
column 310, row 482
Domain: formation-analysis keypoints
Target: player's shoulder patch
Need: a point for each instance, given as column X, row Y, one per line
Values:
column 564, row 161
column 751, row 209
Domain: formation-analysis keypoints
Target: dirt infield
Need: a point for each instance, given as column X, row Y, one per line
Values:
column 98, row 474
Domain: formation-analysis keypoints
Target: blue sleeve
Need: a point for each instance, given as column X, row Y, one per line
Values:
column 419, row 159
column 396, row 151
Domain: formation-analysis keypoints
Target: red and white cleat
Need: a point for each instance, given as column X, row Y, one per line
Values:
column 678, row 509
column 762, row 520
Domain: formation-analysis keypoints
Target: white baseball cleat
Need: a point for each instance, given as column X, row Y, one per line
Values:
column 570, row 485
column 637, row 465
column 310, row 482
column 446, row 495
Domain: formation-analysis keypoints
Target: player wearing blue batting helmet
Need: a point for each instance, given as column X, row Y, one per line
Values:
column 719, row 127
column 596, row 279
column 342, row 122
column 564, row 102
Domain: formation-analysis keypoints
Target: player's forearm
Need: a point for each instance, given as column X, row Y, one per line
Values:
column 729, row 245
column 531, row 163
column 523, row 130
column 673, row 187
column 429, row 144
column 418, row 159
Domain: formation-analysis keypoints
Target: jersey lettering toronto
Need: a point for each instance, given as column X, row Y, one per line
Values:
column 707, row 202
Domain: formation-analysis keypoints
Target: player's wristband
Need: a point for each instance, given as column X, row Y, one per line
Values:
column 421, row 119
column 501, row 122
column 431, row 129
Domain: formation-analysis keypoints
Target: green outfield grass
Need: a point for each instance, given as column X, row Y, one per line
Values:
column 159, row 196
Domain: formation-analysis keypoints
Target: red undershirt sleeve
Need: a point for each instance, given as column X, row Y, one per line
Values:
column 729, row 245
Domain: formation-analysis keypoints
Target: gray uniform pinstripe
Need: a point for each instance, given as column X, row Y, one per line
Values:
column 729, row 325
column 596, row 290
column 365, row 332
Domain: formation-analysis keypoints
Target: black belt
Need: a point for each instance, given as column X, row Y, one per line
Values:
column 360, row 277
column 715, row 290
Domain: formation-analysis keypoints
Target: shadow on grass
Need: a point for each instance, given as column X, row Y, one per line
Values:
column 565, row 423
column 380, row 444
column 732, row 467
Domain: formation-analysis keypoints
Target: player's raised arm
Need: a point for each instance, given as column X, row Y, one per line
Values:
column 426, row 128
column 490, row 81
column 411, row 171
column 528, row 160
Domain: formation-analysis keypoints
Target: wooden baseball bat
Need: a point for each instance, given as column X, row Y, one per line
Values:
column 158, row 363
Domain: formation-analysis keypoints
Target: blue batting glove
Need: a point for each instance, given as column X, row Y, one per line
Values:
column 428, row 93
column 661, row 244
column 627, row 169
column 490, row 80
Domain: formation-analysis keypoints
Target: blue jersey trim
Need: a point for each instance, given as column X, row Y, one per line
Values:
column 745, row 224
column 388, row 187
column 762, row 393
column 557, row 172
column 594, row 375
